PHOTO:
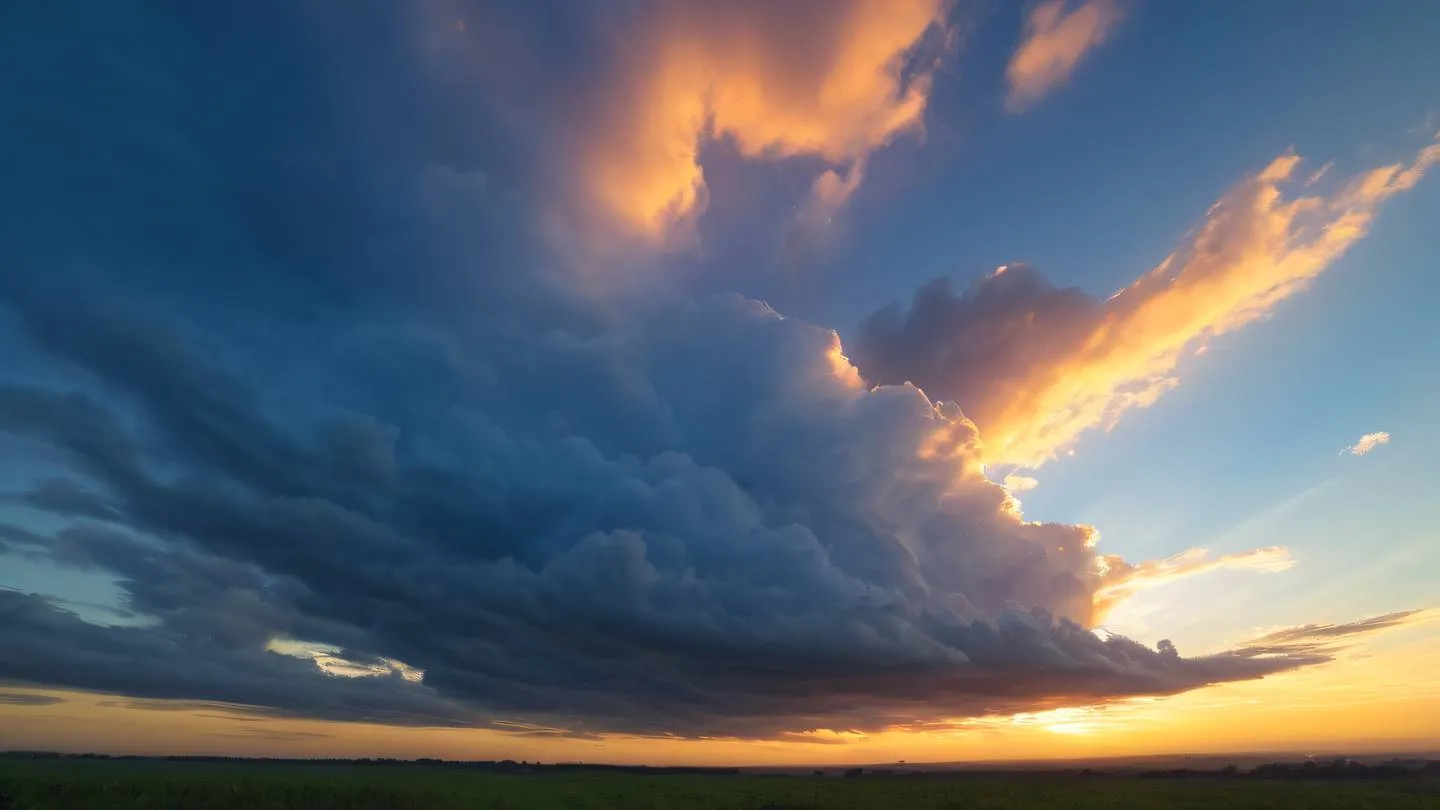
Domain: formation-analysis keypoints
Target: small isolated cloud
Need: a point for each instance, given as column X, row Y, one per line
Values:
column 1366, row 443
column 1055, row 42
column 1034, row 366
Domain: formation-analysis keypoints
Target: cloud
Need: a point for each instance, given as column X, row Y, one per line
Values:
column 1020, row 483
column 1123, row 580
column 1056, row 41
column 825, row 80
column 827, row 198
column 348, row 451
column 1366, row 443
column 46, row 644
column 1332, row 638
column 28, row 699
column 787, row 552
column 1036, row 366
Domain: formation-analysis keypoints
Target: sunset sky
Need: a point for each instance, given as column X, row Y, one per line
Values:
column 823, row 381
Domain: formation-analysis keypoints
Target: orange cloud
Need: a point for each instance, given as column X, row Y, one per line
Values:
column 1055, row 42
column 1366, row 443
column 1121, row 580
column 1034, row 366
column 824, row 80
column 1255, row 249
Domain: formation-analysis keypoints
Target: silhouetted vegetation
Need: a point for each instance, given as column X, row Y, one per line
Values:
column 1311, row 770
column 40, row 781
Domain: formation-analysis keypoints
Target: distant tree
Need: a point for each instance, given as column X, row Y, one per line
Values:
column 854, row 772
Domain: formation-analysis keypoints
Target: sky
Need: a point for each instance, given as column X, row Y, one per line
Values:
column 744, row 383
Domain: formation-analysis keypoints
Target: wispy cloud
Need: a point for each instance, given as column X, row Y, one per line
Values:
column 1366, row 443
column 1123, row 580
column 1329, row 638
column 28, row 699
column 1056, row 41
column 1035, row 366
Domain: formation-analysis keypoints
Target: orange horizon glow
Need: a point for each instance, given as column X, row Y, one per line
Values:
column 1381, row 701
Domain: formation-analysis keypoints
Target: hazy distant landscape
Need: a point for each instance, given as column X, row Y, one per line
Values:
column 39, row 781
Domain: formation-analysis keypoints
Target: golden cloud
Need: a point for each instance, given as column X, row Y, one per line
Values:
column 1366, row 443
column 1055, row 42
column 1255, row 249
column 825, row 80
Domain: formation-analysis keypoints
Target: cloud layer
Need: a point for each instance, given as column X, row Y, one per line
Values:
column 1035, row 366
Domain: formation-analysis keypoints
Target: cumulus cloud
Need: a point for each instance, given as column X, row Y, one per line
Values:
column 1019, row 483
column 1058, row 36
column 1035, row 366
column 789, row 551
column 826, row 80
column 1366, row 443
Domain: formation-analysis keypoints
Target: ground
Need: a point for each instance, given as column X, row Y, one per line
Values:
column 80, row 785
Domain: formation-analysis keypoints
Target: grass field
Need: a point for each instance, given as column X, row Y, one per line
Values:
column 159, row 786
column 162, row 786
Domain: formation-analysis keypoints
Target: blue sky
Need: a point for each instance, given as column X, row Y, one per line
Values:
column 365, row 322
column 1101, row 180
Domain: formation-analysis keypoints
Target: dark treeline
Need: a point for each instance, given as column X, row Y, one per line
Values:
column 1306, row 770
column 1311, row 769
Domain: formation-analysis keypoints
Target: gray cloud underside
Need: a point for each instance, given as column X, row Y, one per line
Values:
column 739, row 560
column 28, row 699
column 971, row 345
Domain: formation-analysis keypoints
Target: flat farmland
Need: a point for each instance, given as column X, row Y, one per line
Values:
column 72, row 785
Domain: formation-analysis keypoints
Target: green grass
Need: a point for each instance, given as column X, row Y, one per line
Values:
column 162, row 786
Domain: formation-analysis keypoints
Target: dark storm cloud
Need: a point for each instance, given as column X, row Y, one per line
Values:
column 307, row 380
column 534, row 576
column 48, row 645
column 300, row 153
column 969, row 345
